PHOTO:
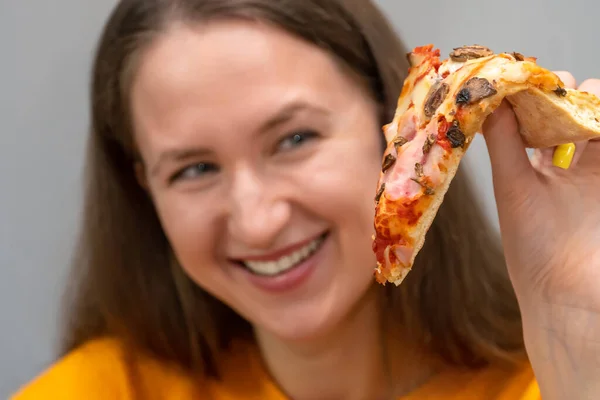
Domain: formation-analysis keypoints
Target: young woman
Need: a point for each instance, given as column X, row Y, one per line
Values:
column 226, row 246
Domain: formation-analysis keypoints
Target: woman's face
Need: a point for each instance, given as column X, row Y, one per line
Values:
column 262, row 158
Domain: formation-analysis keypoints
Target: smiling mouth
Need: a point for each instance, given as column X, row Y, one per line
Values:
column 286, row 263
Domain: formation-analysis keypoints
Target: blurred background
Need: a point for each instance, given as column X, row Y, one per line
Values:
column 45, row 54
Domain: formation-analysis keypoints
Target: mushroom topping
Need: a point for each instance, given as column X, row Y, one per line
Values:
column 428, row 190
column 465, row 53
column 455, row 136
column 474, row 90
column 419, row 170
column 435, row 98
column 428, row 143
column 560, row 91
column 521, row 57
column 380, row 192
column 518, row 56
column 399, row 141
column 388, row 161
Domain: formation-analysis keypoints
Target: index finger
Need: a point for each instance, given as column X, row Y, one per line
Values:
column 565, row 155
column 592, row 148
column 567, row 78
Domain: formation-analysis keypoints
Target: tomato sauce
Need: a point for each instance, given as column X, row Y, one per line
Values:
column 442, row 138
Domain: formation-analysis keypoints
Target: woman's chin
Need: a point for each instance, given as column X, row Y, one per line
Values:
column 299, row 328
column 312, row 319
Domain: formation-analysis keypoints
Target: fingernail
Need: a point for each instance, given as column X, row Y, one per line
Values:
column 563, row 155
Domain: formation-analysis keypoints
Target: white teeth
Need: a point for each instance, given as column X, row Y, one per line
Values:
column 271, row 268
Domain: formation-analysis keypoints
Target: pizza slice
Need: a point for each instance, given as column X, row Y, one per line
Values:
column 442, row 106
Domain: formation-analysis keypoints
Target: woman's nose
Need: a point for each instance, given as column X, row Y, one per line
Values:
column 258, row 213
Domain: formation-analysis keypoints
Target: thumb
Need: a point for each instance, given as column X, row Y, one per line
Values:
column 508, row 156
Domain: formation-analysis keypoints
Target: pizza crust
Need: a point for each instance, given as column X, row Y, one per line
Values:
column 447, row 102
column 547, row 121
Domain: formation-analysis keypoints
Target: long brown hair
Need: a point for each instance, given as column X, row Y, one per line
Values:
column 458, row 299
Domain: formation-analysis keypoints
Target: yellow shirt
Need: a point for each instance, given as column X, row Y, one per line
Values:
column 96, row 371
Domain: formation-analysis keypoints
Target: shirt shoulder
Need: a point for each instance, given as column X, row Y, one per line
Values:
column 492, row 383
column 94, row 369
column 102, row 369
column 99, row 369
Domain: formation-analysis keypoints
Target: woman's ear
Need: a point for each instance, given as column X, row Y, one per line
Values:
column 140, row 174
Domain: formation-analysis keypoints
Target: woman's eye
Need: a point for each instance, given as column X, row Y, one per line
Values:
column 195, row 171
column 296, row 139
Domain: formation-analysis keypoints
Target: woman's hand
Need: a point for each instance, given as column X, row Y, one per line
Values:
column 549, row 210
column 549, row 216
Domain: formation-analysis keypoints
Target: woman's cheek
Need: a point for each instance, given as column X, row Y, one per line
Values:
column 186, row 223
column 342, row 189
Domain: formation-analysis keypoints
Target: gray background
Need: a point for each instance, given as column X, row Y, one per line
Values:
column 46, row 48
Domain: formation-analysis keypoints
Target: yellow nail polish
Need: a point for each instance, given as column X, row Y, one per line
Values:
column 563, row 155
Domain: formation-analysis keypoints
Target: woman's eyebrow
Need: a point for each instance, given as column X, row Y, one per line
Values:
column 177, row 155
column 287, row 112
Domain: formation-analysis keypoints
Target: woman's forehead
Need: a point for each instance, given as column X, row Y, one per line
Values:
column 234, row 69
column 227, row 58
